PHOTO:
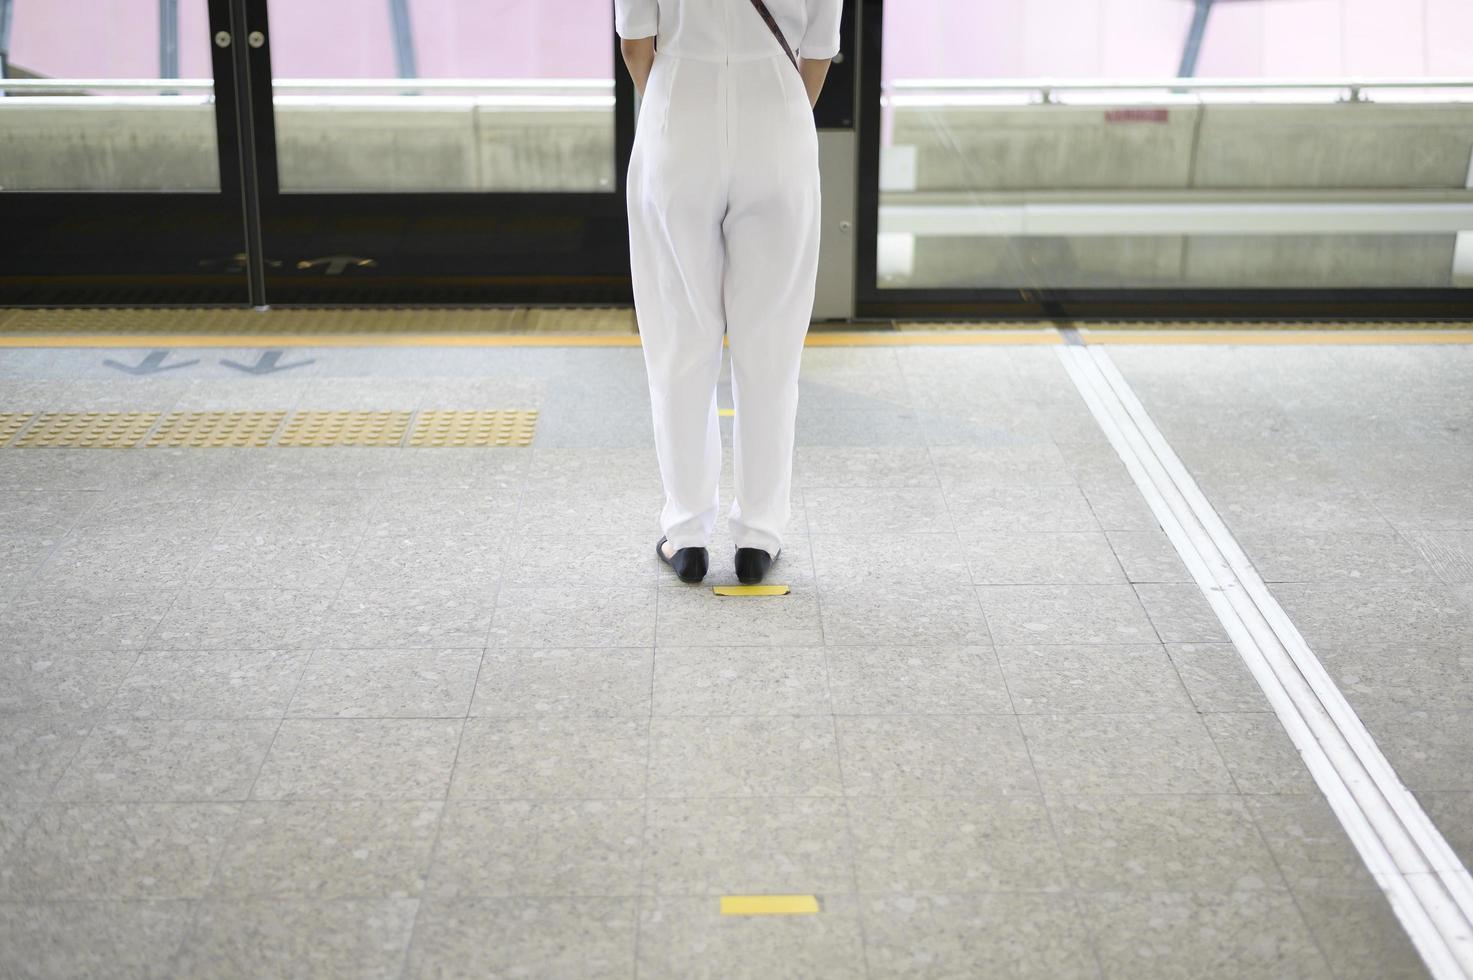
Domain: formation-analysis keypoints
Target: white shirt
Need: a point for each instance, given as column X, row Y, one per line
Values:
column 731, row 30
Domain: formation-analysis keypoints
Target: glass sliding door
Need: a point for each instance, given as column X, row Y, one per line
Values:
column 442, row 151
column 1092, row 158
column 118, row 175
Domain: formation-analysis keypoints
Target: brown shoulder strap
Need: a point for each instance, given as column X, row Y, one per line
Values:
column 776, row 31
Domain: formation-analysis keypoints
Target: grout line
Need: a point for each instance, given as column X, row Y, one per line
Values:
column 1428, row 888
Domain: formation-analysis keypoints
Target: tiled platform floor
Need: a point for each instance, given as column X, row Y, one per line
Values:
column 439, row 712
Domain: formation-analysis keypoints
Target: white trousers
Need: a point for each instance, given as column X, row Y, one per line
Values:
column 723, row 197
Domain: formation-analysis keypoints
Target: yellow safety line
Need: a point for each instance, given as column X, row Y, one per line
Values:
column 880, row 338
column 750, row 589
column 1275, row 337
column 769, row 904
column 726, row 412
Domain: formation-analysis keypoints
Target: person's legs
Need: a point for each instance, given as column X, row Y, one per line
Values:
column 772, row 231
column 676, row 197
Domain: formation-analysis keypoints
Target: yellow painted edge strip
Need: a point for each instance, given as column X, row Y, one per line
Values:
column 769, row 904
column 726, row 412
column 750, row 589
column 881, row 338
column 1277, row 337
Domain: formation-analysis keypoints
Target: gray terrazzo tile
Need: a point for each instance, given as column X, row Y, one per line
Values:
column 167, row 760
column 747, row 847
column 1358, row 932
column 14, row 819
column 861, row 466
column 458, row 615
column 740, row 681
column 118, row 850
column 933, row 755
column 551, row 757
column 56, row 683
column 81, row 620
column 1255, row 505
column 856, row 615
column 1117, row 504
column 603, row 682
column 170, row 684
column 62, row 469
column 1448, row 553
column 1048, row 614
column 554, row 617
column 120, row 940
column 960, row 844
column 100, row 559
column 688, row 937
column 552, row 511
column 299, row 510
column 356, row 758
column 365, row 468
column 1452, row 814
column 888, row 562
column 1348, row 614
column 426, row 557
column 1436, row 502
column 1028, row 465
column 1092, row 679
column 314, row 561
column 242, row 619
column 21, row 556
column 592, row 468
column 1181, row 614
column 1385, row 676
column 566, row 848
column 329, row 850
column 741, row 756
column 1258, row 753
column 693, row 616
column 589, row 938
column 365, row 939
column 580, row 560
column 1028, row 936
column 1162, row 843
column 983, row 509
column 1430, row 750
column 1286, row 556
column 1307, row 840
column 861, row 510
column 1216, row 677
column 1148, row 556
column 35, row 751
column 919, row 680
column 1170, row 934
column 145, row 509
column 389, row 683
column 894, row 427
column 1041, row 559
column 1124, row 754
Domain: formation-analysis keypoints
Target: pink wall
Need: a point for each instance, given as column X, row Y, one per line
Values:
column 924, row 38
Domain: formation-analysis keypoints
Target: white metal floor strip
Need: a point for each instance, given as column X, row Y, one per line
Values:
column 1428, row 888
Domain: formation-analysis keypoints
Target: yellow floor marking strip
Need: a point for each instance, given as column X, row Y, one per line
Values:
column 726, row 412
column 750, row 589
column 769, row 904
column 1275, row 337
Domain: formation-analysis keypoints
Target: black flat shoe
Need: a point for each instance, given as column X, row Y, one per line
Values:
column 752, row 564
column 689, row 563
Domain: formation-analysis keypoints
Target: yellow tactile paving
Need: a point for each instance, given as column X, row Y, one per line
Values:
column 11, row 423
column 345, row 429
column 199, row 430
column 88, row 430
column 769, row 905
column 491, row 428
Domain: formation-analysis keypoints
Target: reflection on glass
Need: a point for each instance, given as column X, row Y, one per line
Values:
column 1171, row 144
column 443, row 95
column 82, row 104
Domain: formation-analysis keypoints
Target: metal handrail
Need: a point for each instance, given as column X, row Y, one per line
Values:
column 911, row 89
column 309, row 84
